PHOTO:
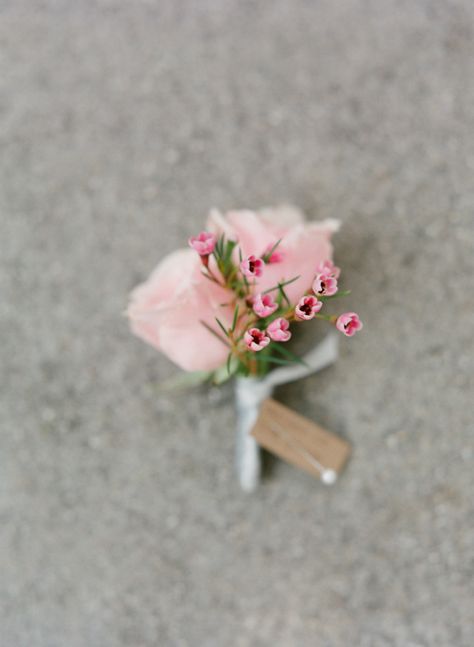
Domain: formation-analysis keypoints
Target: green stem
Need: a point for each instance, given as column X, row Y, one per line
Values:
column 331, row 318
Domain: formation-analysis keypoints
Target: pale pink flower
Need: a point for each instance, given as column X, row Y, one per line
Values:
column 325, row 285
column 167, row 311
column 349, row 323
column 307, row 307
column 203, row 243
column 264, row 305
column 304, row 244
column 279, row 330
column 328, row 267
column 276, row 256
column 256, row 339
column 252, row 266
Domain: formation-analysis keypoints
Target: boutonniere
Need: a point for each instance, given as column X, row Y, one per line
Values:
column 229, row 305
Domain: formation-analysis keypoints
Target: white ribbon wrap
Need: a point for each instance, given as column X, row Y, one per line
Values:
column 250, row 393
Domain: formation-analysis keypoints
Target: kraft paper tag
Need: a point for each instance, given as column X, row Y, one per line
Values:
column 300, row 441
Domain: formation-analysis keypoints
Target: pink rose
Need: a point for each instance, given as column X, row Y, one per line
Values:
column 303, row 247
column 167, row 310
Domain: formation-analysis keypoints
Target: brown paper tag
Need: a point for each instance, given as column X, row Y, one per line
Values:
column 300, row 441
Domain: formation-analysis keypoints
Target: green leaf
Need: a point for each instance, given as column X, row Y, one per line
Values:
column 283, row 294
column 226, row 265
column 224, row 373
column 242, row 370
column 185, row 381
column 221, row 326
column 288, row 354
column 219, row 248
column 341, row 293
column 275, row 360
column 216, row 334
column 282, row 285
column 229, row 249
column 268, row 255
column 209, row 278
column 236, row 316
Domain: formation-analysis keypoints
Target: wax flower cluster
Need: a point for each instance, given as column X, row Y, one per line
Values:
column 263, row 320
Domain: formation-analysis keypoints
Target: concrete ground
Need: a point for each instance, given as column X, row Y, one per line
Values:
column 121, row 123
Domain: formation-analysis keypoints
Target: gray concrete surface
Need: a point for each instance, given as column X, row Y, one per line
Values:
column 121, row 123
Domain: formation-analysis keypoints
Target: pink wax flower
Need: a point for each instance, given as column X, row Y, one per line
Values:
column 256, row 339
column 252, row 266
column 264, row 305
column 276, row 256
column 328, row 267
column 203, row 243
column 325, row 285
column 308, row 307
column 349, row 323
column 304, row 244
column 279, row 330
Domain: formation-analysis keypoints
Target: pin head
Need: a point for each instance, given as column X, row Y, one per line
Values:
column 329, row 477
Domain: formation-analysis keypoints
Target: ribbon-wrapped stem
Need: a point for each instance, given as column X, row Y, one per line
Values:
column 251, row 392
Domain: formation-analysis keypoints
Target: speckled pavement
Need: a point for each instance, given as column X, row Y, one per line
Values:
column 121, row 123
